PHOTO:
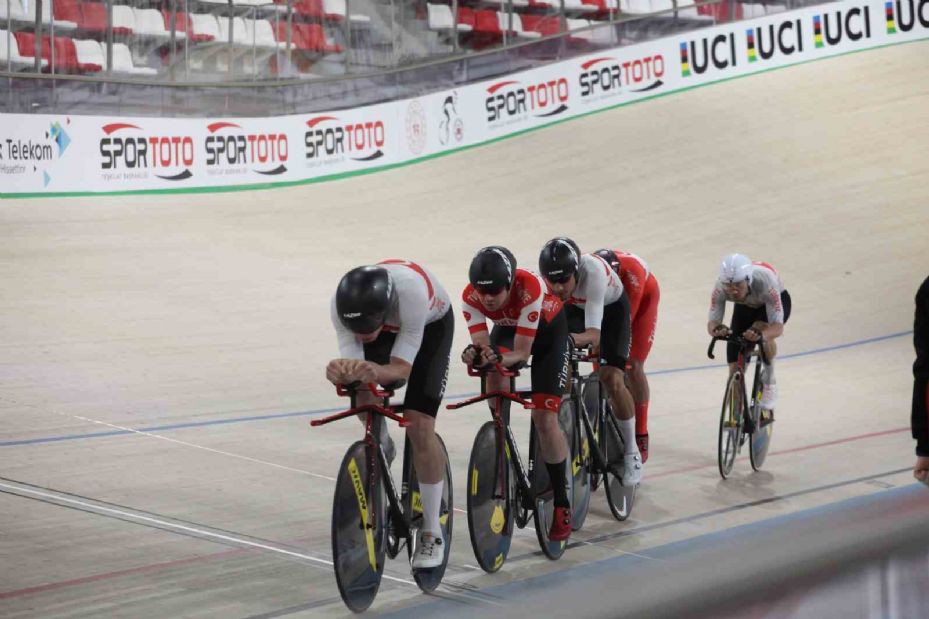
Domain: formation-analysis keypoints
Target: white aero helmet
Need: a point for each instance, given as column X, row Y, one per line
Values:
column 735, row 268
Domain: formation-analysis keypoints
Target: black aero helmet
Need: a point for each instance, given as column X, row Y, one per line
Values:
column 559, row 259
column 363, row 298
column 492, row 268
column 609, row 256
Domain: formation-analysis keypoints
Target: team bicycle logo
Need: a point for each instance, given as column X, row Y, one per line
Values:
column 127, row 151
column 329, row 140
column 230, row 149
column 607, row 76
column 510, row 100
column 903, row 15
column 451, row 126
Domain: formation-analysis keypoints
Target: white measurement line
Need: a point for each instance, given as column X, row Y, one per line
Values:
column 179, row 527
column 210, row 449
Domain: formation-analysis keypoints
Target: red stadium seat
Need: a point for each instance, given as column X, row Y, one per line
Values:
column 95, row 19
column 466, row 16
column 68, row 10
column 309, row 8
column 546, row 24
column 486, row 22
column 65, row 54
column 307, row 37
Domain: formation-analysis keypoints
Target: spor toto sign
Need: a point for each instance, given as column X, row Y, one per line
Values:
column 510, row 98
column 229, row 146
column 609, row 75
column 327, row 137
column 128, row 151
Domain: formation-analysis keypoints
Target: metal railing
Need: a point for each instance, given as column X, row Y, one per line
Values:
column 266, row 59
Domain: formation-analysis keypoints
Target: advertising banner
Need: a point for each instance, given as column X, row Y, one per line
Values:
column 47, row 155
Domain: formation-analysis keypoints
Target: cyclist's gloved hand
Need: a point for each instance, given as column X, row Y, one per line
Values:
column 752, row 334
column 721, row 331
column 337, row 371
column 360, row 370
column 490, row 355
column 469, row 354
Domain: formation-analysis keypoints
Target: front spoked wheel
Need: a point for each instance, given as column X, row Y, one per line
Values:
column 730, row 425
column 429, row 579
column 544, row 502
column 359, row 515
column 491, row 495
column 620, row 498
column 763, row 427
column 579, row 461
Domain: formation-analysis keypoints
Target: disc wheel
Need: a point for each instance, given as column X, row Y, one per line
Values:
column 544, row 502
column 491, row 494
column 579, row 461
column 760, row 439
column 620, row 498
column 730, row 426
column 359, row 514
column 429, row 579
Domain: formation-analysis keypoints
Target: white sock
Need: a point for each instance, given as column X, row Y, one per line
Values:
column 431, row 495
column 767, row 374
column 627, row 431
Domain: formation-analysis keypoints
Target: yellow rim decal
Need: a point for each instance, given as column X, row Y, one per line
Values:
column 497, row 519
column 473, row 482
column 443, row 519
column 498, row 561
column 417, row 503
column 585, row 449
column 575, row 465
column 363, row 507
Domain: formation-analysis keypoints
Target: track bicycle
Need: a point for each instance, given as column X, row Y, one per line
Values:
column 742, row 418
column 601, row 460
column 501, row 490
column 369, row 518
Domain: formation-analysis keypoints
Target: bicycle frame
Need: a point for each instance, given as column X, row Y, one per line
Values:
column 501, row 418
column 372, row 437
column 747, row 351
column 577, row 357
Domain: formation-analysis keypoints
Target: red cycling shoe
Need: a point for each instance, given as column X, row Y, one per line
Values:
column 642, row 441
column 561, row 524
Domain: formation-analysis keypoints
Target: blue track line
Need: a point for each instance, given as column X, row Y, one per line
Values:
column 323, row 411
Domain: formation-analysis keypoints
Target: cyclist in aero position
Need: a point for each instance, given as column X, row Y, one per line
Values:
column 393, row 322
column 641, row 287
column 762, row 307
column 598, row 316
column 527, row 321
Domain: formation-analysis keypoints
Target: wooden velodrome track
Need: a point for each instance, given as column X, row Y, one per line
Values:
column 162, row 355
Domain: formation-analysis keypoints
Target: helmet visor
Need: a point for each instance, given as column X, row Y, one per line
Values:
column 492, row 290
column 560, row 277
column 362, row 325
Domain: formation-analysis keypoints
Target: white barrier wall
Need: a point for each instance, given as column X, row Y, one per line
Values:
column 47, row 155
